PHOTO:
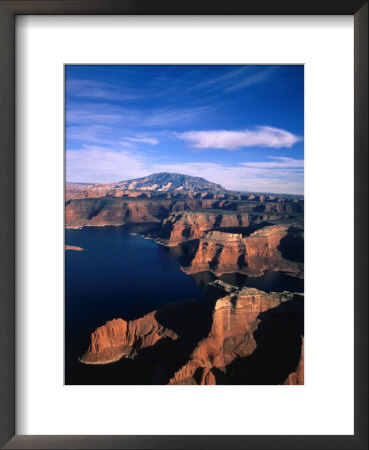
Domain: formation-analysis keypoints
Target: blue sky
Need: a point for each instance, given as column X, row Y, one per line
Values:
column 240, row 126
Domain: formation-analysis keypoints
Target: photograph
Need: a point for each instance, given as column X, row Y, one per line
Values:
column 184, row 224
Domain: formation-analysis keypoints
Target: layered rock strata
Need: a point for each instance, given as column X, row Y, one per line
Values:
column 119, row 211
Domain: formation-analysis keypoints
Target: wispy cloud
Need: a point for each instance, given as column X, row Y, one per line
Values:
column 142, row 140
column 105, row 114
column 88, row 116
column 251, row 80
column 99, row 90
column 219, row 82
column 236, row 79
column 169, row 116
column 233, row 140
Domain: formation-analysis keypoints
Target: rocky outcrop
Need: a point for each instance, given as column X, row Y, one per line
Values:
column 231, row 335
column 221, row 252
column 118, row 338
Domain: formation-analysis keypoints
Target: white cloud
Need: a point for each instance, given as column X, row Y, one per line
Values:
column 233, row 140
column 150, row 141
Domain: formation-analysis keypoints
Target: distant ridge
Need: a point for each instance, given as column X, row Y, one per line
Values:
column 165, row 182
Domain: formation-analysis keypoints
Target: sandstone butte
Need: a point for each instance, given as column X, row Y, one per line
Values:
column 234, row 321
column 220, row 253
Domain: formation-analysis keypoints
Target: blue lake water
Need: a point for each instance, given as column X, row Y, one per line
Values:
column 123, row 275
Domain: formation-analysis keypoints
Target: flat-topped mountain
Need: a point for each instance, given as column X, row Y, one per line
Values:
column 164, row 182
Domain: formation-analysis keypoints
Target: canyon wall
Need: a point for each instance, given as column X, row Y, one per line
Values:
column 120, row 211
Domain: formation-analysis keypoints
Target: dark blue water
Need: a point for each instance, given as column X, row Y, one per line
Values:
column 123, row 275
column 116, row 275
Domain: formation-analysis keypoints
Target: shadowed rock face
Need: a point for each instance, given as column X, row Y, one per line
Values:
column 201, row 342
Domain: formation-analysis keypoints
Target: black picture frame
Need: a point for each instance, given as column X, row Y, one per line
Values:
column 8, row 11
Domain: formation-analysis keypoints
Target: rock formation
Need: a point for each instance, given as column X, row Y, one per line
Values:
column 221, row 252
column 183, row 226
column 201, row 339
column 118, row 338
